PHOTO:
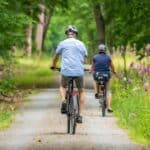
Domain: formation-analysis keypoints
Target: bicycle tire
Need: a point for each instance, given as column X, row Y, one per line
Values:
column 68, row 113
column 76, row 104
column 68, row 124
column 103, row 107
column 73, row 115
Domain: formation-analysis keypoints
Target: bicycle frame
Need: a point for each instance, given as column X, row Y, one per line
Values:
column 72, row 107
column 102, row 93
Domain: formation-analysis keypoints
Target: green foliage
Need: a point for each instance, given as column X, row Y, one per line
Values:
column 6, row 114
column 127, row 22
column 5, row 119
column 12, row 26
column 132, row 107
column 7, row 86
column 25, row 77
column 86, row 26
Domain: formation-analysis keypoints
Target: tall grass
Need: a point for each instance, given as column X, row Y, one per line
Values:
column 27, row 73
column 132, row 107
column 33, row 72
column 131, row 103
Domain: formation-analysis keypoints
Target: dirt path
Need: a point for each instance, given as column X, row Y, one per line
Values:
column 40, row 126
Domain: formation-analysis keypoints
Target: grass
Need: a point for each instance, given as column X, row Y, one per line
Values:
column 7, row 112
column 29, row 73
column 131, row 103
column 5, row 119
column 33, row 72
column 132, row 107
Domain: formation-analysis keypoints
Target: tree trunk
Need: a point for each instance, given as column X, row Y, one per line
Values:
column 40, row 29
column 47, row 22
column 100, row 24
column 28, row 45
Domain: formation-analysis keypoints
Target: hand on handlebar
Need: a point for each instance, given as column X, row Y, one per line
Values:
column 52, row 67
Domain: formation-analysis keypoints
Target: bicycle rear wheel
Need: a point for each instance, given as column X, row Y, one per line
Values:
column 68, row 124
column 103, row 103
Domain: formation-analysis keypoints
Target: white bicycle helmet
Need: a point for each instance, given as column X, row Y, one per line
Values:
column 71, row 29
column 102, row 48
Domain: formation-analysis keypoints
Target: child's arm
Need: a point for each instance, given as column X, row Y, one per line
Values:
column 112, row 67
column 92, row 66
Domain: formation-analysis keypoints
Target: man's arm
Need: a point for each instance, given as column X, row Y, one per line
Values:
column 54, row 61
column 85, row 59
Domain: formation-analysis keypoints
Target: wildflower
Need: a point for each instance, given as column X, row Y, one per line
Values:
column 140, row 73
column 131, row 64
column 120, row 74
column 147, row 47
column 129, row 80
column 145, row 69
column 146, row 87
column 124, row 78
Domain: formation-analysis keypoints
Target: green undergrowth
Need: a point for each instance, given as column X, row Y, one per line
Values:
column 7, row 112
column 132, row 107
column 33, row 73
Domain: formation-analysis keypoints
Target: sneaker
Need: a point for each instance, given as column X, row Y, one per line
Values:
column 109, row 110
column 96, row 96
column 79, row 119
column 63, row 107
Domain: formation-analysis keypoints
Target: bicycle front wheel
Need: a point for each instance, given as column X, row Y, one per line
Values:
column 73, row 114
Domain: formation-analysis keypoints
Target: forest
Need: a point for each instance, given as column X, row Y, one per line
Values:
column 30, row 31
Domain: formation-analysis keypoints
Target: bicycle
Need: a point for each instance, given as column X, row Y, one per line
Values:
column 72, row 110
column 72, row 103
column 102, row 90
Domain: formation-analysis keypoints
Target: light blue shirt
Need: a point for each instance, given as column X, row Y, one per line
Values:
column 73, row 52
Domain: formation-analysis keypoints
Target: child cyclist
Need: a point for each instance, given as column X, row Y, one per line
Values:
column 103, row 64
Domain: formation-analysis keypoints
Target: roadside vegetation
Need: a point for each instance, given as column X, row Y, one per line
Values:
column 33, row 72
column 31, row 30
column 20, row 79
column 131, row 98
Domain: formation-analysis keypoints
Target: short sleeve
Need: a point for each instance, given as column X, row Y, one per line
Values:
column 84, row 50
column 59, row 49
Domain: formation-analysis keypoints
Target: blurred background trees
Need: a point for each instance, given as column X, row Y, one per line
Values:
column 38, row 25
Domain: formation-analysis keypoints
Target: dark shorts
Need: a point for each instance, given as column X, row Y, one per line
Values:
column 78, row 81
column 97, row 74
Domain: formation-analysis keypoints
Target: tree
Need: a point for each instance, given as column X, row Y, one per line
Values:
column 46, row 11
column 127, row 22
column 12, row 26
column 99, row 19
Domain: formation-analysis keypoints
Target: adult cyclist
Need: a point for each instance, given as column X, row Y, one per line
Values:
column 103, row 64
column 73, row 53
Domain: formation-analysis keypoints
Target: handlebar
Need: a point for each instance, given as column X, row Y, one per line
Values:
column 55, row 68
column 59, row 69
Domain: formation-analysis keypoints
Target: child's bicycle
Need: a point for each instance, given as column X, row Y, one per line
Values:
column 102, row 91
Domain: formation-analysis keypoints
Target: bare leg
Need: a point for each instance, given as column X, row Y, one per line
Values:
column 62, row 93
column 95, row 85
column 81, row 99
column 109, row 98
